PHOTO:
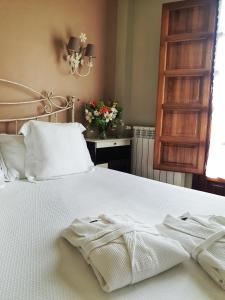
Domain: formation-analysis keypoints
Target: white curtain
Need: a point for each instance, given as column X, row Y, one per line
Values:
column 216, row 161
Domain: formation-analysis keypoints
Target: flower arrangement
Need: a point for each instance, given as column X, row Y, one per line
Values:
column 102, row 116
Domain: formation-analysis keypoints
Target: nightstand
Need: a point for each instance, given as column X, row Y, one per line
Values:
column 114, row 152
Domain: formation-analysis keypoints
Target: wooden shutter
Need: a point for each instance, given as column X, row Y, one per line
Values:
column 184, row 86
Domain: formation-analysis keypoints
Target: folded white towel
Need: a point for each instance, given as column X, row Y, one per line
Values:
column 203, row 237
column 123, row 251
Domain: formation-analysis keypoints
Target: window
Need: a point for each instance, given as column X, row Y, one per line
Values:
column 216, row 161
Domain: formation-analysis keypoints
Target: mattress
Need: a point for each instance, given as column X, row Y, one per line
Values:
column 36, row 263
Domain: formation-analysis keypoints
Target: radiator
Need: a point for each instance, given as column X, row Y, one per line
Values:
column 142, row 158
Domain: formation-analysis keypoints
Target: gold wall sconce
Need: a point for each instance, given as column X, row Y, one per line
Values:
column 80, row 55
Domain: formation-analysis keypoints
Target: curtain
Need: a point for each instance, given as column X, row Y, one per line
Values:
column 216, row 160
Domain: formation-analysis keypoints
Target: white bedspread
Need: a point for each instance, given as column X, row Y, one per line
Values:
column 36, row 264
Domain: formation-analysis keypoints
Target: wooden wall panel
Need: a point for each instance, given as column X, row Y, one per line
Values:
column 177, row 123
column 179, row 154
column 186, row 55
column 183, row 90
column 193, row 19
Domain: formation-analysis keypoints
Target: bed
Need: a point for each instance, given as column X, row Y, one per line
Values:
column 38, row 264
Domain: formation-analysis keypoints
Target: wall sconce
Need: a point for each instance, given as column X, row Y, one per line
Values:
column 80, row 55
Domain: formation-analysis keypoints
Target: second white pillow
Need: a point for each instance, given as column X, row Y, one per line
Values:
column 12, row 148
column 54, row 150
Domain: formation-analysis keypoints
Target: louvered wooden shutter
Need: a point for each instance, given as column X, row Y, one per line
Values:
column 184, row 86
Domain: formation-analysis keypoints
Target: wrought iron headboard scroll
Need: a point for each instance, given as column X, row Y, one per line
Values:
column 48, row 103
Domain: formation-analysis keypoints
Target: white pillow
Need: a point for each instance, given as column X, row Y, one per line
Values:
column 54, row 150
column 3, row 172
column 12, row 148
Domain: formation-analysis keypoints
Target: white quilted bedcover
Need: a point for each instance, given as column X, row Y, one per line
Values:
column 36, row 264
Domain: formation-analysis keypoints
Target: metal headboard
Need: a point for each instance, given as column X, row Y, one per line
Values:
column 47, row 101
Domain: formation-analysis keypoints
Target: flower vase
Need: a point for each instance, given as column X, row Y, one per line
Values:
column 102, row 133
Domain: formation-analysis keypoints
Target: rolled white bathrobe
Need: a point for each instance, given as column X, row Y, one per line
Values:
column 203, row 237
column 123, row 251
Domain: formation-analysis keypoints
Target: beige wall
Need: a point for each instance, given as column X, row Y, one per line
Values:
column 138, row 37
column 33, row 38
column 137, row 56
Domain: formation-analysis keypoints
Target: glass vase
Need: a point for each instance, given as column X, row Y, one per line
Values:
column 102, row 133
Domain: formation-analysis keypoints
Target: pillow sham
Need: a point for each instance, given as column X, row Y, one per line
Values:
column 54, row 150
column 3, row 171
column 12, row 148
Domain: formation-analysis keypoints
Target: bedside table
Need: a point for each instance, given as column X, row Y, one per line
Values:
column 114, row 152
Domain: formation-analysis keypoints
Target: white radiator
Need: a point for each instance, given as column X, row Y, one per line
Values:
column 142, row 158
